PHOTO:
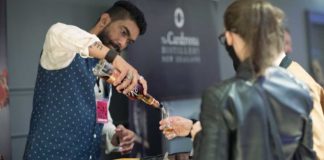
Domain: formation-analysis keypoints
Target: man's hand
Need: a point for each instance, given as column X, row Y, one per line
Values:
column 125, row 137
column 128, row 77
column 180, row 126
column 144, row 84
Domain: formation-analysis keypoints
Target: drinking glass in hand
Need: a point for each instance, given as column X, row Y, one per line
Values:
column 168, row 131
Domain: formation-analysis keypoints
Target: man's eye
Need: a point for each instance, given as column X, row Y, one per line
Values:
column 130, row 42
column 124, row 33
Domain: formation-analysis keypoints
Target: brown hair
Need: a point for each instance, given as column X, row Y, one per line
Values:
column 260, row 25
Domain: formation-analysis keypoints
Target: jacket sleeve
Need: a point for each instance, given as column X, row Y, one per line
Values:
column 212, row 141
column 305, row 149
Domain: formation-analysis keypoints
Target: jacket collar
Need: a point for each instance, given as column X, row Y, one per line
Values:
column 245, row 71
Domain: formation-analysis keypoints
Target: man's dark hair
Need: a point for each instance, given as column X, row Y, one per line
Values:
column 122, row 10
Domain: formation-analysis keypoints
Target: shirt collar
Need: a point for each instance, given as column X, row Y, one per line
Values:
column 278, row 60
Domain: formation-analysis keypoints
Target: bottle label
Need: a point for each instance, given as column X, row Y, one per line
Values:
column 137, row 91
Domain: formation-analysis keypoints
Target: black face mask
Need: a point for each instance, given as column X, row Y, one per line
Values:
column 230, row 50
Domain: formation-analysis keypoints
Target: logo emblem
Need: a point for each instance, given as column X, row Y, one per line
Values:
column 179, row 17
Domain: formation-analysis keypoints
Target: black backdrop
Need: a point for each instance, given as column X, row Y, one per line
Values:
column 178, row 57
column 178, row 54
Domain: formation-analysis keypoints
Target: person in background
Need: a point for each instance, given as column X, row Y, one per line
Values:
column 233, row 127
column 288, row 42
column 4, row 89
column 63, row 123
column 317, row 92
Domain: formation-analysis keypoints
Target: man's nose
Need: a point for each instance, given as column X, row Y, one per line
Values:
column 122, row 43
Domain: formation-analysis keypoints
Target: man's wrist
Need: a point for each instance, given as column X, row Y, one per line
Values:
column 111, row 55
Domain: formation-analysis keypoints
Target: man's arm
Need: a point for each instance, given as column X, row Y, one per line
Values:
column 63, row 42
column 124, row 84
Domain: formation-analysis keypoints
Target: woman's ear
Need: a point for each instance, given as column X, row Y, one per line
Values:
column 229, row 38
column 104, row 20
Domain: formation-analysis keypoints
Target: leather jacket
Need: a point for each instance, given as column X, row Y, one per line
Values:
column 264, row 118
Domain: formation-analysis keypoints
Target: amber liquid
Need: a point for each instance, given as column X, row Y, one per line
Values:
column 165, row 114
column 168, row 130
column 148, row 99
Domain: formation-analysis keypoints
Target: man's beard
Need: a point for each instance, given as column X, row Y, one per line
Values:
column 103, row 36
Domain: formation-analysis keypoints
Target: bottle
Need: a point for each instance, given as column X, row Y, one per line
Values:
column 106, row 71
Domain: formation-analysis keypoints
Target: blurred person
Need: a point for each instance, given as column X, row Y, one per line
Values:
column 63, row 123
column 4, row 89
column 263, row 112
column 317, row 93
column 318, row 72
column 288, row 42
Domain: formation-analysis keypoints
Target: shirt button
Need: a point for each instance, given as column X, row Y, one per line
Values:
column 90, row 157
column 94, row 136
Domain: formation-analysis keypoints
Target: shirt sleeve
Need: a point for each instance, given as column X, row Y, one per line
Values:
column 62, row 43
column 108, row 131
